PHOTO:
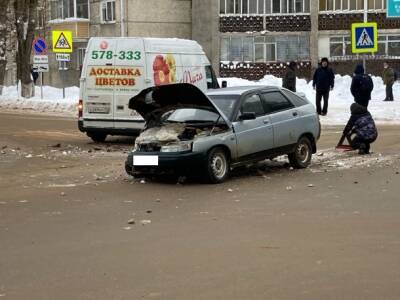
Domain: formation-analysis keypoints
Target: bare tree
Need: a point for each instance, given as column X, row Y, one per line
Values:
column 25, row 22
column 3, row 40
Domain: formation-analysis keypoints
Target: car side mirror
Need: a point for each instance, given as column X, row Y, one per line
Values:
column 247, row 116
column 224, row 84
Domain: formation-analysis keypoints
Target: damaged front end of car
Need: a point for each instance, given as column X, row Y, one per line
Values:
column 180, row 120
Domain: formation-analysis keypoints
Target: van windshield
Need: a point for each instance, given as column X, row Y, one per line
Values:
column 212, row 82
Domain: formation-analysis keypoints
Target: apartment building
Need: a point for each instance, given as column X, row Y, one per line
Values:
column 259, row 37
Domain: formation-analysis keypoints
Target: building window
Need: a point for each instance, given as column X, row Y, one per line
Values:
column 81, row 56
column 62, row 65
column 340, row 46
column 265, row 49
column 388, row 46
column 108, row 11
column 260, row 7
column 350, row 5
column 65, row 9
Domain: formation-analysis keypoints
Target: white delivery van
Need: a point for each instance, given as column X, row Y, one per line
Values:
column 116, row 69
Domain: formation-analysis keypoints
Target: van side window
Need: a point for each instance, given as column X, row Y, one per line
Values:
column 275, row 101
column 212, row 82
column 252, row 104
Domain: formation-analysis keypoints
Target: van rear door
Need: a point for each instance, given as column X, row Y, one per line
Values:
column 98, row 106
column 129, row 80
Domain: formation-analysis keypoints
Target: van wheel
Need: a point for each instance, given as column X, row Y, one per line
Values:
column 301, row 157
column 97, row 137
column 217, row 165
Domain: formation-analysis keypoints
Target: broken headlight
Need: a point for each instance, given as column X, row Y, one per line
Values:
column 177, row 147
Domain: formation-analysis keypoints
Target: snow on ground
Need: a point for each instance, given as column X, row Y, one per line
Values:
column 338, row 113
column 52, row 101
column 340, row 98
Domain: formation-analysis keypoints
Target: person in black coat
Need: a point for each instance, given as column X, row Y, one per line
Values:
column 362, row 126
column 289, row 80
column 323, row 82
column 361, row 86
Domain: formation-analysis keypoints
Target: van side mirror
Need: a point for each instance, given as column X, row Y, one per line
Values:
column 224, row 84
column 247, row 116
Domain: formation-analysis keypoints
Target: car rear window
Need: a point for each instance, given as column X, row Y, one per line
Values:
column 295, row 99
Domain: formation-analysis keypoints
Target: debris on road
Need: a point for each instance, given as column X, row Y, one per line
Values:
column 62, row 194
column 145, row 222
column 289, row 188
column 149, row 211
column 127, row 228
column 131, row 221
column 310, row 185
column 230, row 190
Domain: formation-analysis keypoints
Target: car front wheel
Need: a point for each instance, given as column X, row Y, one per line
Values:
column 217, row 165
column 301, row 157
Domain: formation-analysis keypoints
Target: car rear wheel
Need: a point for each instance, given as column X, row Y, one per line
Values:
column 217, row 165
column 301, row 157
column 97, row 137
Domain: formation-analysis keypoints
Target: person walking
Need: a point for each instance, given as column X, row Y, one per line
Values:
column 323, row 82
column 360, row 130
column 361, row 86
column 388, row 79
column 289, row 80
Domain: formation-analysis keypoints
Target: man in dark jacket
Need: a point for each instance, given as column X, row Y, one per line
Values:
column 362, row 125
column 388, row 78
column 361, row 86
column 289, row 80
column 323, row 82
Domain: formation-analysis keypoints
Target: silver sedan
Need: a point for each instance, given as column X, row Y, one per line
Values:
column 191, row 133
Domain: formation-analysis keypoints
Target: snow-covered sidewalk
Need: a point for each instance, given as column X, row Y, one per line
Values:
column 52, row 101
column 338, row 113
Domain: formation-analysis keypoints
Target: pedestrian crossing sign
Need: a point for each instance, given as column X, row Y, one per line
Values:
column 62, row 41
column 364, row 37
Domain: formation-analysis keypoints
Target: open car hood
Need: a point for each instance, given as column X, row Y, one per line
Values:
column 153, row 102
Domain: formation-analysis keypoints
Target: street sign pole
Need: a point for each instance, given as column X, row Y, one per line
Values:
column 41, row 85
column 365, row 21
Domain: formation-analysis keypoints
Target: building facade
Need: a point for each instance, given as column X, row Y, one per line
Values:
column 242, row 38
column 260, row 37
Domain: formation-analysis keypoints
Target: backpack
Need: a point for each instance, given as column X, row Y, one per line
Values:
column 365, row 84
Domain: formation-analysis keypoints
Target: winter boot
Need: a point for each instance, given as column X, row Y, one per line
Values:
column 363, row 149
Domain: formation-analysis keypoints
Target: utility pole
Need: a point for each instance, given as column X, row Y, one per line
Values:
column 365, row 21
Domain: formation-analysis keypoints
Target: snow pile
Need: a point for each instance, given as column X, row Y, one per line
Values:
column 340, row 98
column 52, row 101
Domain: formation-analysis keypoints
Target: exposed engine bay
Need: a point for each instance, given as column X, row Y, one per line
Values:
column 175, row 136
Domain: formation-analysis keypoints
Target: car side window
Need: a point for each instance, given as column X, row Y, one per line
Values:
column 275, row 101
column 252, row 104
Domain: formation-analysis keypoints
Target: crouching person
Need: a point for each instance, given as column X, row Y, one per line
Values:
column 360, row 129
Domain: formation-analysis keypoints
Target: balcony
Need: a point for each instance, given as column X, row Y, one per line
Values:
column 72, row 15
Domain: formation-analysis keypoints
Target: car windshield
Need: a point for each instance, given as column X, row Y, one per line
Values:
column 225, row 103
column 191, row 115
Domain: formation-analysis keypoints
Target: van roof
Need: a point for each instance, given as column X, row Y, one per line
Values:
column 164, row 45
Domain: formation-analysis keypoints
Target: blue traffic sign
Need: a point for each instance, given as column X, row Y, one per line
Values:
column 39, row 46
column 364, row 37
column 393, row 8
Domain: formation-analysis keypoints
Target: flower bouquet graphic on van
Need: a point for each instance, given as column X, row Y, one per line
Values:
column 164, row 69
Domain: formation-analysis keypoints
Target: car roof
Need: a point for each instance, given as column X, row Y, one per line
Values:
column 240, row 90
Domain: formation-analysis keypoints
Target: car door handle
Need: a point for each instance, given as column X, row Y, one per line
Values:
column 266, row 121
column 295, row 114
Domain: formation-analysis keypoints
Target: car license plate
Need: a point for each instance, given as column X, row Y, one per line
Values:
column 99, row 109
column 145, row 160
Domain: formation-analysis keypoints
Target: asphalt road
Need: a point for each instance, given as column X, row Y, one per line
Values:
column 331, row 231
